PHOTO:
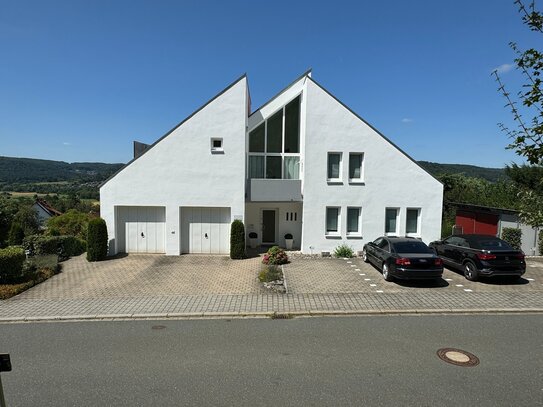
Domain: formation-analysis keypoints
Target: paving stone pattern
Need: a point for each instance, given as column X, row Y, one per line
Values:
column 190, row 286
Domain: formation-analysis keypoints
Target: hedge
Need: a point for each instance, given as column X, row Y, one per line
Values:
column 237, row 240
column 11, row 263
column 64, row 246
column 513, row 236
column 540, row 242
column 97, row 240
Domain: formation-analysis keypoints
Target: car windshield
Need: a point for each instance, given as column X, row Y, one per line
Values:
column 491, row 244
column 411, row 247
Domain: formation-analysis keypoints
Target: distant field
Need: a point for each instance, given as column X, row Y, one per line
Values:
column 53, row 183
column 25, row 194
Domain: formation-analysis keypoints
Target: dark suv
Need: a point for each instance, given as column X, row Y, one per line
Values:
column 480, row 255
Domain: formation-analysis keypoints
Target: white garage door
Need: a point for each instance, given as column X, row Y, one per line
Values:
column 141, row 229
column 205, row 230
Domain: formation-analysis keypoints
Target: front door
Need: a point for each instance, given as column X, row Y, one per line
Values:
column 268, row 226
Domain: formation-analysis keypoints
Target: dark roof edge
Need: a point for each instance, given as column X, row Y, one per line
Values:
column 176, row 126
column 373, row 128
column 489, row 208
column 306, row 73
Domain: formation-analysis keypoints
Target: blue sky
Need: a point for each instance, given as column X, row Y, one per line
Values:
column 79, row 80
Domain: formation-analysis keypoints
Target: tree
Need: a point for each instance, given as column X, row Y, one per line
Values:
column 529, row 179
column 97, row 240
column 237, row 240
column 27, row 218
column 528, row 136
column 72, row 223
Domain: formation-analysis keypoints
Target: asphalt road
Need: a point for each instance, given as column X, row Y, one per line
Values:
column 362, row 361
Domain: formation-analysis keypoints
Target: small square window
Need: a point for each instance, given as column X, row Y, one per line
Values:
column 216, row 145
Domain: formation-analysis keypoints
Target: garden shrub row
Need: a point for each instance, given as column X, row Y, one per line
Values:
column 11, row 263
column 64, row 246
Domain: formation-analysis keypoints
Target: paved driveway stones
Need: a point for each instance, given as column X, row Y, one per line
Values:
column 137, row 276
column 330, row 275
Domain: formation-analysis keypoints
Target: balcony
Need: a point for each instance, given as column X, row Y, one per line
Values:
column 275, row 190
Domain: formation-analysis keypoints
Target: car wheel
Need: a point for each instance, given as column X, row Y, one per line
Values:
column 470, row 271
column 365, row 256
column 386, row 273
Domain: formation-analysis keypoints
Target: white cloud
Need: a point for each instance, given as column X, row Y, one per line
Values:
column 67, row 144
column 407, row 120
column 503, row 68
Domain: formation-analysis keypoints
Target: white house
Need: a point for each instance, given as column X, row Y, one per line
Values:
column 303, row 164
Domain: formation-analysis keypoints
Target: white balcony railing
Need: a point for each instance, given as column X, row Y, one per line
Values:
column 275, row 190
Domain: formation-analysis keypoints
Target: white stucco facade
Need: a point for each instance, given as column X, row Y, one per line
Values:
column 181, row 171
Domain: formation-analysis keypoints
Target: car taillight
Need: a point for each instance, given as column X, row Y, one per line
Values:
column 438, row 262
column 486, row 256
column 520, row 256
column 402, row 261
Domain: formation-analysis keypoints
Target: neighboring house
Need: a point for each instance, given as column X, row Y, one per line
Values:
column 44, row 210
column 303, row 164
column 476, row 219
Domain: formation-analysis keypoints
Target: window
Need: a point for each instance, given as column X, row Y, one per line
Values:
column 355, row 167
column 273, row 167
column 274, row 145
column 334, row 166
column 332, row 221
column 412, row 221
column 391, row 221
column 256, row 139
column 216, row 145
column 256, row 166
column 292, row 127
column 353, row 221
column 274, row 137
column 292, row 168
column 384, row 245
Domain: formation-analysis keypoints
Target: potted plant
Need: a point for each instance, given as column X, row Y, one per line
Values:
column 253, row 239
column 288, row 241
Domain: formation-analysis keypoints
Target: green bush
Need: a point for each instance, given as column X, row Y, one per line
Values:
column 513, row 236
column 16, row 234
column 72, row 246
column 71, row 223
column 344, row 251
column 237, row 240
column 11, row 263
column 97, row 240
column 540, row 242
column 275, row 255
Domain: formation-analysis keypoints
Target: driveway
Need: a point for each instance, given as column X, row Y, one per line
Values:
column 146, row 275
column 330, row 275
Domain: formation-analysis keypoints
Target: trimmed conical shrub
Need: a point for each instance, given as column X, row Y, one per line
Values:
column 237, row 240
column 97, row 240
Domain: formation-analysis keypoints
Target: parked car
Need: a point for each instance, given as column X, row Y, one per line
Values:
column 403, row 258
column 480, row 255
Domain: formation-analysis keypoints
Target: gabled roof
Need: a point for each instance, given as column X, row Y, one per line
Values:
column 306, row 73
column 370, row 126
column 175, row 127
column 47, row 208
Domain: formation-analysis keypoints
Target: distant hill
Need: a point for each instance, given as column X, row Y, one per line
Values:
column 490, row 174
column 24, row 170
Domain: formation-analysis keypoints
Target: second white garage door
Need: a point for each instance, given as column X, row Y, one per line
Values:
column 205, row 230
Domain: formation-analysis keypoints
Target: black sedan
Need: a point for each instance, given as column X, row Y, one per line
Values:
column 403, row 258
column 480, row 255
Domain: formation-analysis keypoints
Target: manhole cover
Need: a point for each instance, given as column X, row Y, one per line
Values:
column 158, row 327
column 458, row 357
